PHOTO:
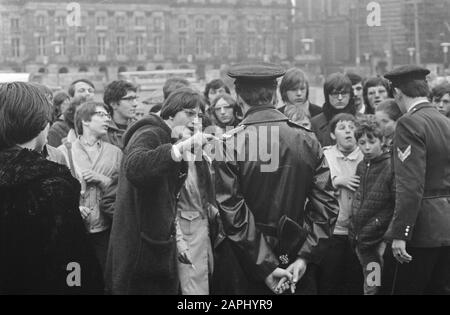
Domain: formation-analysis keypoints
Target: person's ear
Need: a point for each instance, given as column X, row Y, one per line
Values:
column 85, row 123
column 333, row 137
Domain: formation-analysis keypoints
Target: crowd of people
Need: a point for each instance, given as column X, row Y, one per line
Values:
column 359, row 202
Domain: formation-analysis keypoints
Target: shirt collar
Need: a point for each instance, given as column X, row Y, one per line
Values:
column 97, row 144
column 352, row 156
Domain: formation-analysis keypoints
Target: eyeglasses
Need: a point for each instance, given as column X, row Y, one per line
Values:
column 129, row 98
column 337, row 94
column 103, row 115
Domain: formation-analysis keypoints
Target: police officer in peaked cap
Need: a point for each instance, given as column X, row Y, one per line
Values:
column 261, row 198
column 420, row 228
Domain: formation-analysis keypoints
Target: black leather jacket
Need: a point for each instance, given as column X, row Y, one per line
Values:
column 252, row 199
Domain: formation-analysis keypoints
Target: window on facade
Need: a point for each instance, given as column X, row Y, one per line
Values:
column 199, row 46
column 158, row 45
column 41, row 20
column 199, row 24
column 101, row 45
column 81, row 45
column 41, row 45
column 216, row 46
column 282, row 49
column 232, row 46
column 158, row 23
column 182, row 42
column 15, row 46
column 120, row 48
column 269, row 23
column 251, row 24
column 120, row 20
column 62, row 45
column 15, row 24
column 251, row 46
column 140, row 46
column 101, row 20
column 182, row 23
column 139, row 21
column 266, row 46
column 216, row 24
column 60, row 21
column 231, row 25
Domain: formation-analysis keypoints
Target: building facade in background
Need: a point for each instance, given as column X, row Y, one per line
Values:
column 321, row 36
column 341, row 36
column 141, row 34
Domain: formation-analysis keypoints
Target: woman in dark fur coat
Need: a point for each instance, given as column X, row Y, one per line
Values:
column 43, row 244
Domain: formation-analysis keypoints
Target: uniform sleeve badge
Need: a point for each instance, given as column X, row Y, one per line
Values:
column 403, row 155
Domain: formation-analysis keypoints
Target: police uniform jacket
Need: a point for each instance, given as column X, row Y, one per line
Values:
column 422, row 167
column 252, row 199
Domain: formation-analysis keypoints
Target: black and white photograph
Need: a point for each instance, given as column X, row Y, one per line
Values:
column 238, row 151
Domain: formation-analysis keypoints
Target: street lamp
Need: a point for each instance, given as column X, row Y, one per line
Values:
column 411, row 51
column 308, row 45
column 355, row 17
column 367, row 59
column 445, row 47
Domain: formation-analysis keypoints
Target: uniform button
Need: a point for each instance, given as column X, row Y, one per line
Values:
column 406, row 234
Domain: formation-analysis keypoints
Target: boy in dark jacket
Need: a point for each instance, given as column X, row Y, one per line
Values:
column 373, row 205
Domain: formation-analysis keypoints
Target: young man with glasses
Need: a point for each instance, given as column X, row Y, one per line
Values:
column 95, row 164
column 121, row 99
column 338, row 92
column 142, row 253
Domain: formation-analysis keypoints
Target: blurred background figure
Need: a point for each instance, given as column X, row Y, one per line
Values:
column 440, row 97
column 63, row 129
column 225, row 111
column 299, row 116
column 357, row 84
column 173, row 84
column 213, row 89
column 142, row 110
column 386, row 115
column 61, row 102
column 375, row 90
column 82, row 89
